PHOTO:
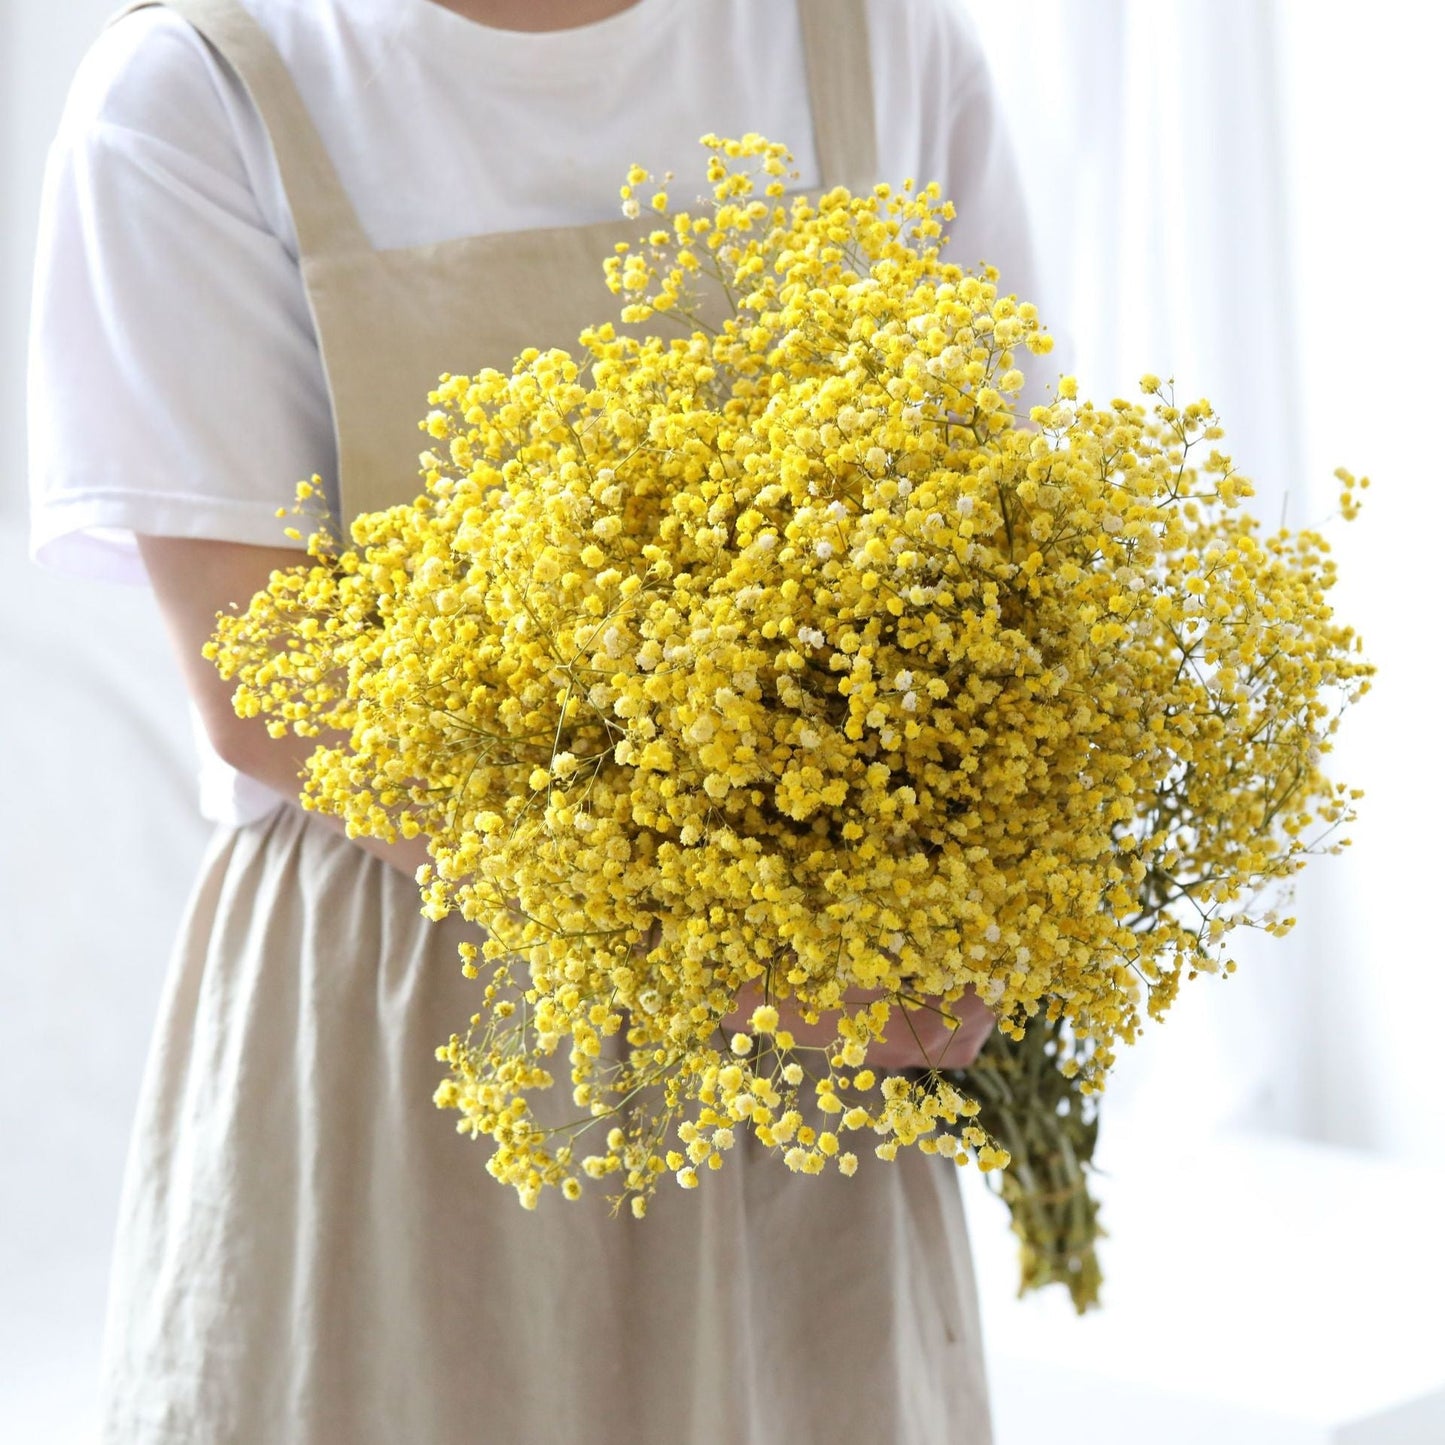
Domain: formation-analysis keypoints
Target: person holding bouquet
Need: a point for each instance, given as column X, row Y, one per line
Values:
column 267, row 227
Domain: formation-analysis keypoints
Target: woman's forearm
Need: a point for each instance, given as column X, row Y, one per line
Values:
column 193, row 580
column 280, row 763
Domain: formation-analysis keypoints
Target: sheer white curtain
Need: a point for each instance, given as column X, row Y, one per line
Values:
column 1365, row 117
column 95, row 766
column 1234, row 193
column 1242, row 194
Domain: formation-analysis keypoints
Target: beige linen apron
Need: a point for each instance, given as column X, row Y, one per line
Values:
column 307, row 1251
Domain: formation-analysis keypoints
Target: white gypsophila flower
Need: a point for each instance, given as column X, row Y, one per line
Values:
column 910, row 701
column 701, row 729
column 824, row 548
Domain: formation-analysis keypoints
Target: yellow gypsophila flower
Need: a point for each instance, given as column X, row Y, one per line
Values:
column 792, row 638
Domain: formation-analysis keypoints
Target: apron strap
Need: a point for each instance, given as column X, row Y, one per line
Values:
column 326, row 222
column 840, row 92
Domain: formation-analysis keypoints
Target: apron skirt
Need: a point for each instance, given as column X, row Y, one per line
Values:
column 309, row 1252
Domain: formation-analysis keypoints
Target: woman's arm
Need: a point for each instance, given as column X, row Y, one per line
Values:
column 948, row 1036
column 195, row 579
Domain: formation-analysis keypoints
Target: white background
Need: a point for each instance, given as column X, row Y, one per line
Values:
column 1242, row 195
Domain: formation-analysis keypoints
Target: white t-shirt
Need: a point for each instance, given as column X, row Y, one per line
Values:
column 175, row 385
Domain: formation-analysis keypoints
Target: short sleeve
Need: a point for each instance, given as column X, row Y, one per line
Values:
column 174, row 383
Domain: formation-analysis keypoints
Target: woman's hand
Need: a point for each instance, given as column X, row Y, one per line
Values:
column 936, row 1034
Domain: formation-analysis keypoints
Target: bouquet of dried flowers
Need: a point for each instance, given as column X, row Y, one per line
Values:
column 786, row 659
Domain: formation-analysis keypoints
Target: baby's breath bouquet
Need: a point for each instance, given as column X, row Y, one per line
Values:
column 784, row 660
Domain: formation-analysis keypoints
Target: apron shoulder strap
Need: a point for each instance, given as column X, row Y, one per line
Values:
column 326, row 222
column 840, row 92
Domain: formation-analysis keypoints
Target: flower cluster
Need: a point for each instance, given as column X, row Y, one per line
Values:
column 785, row 653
